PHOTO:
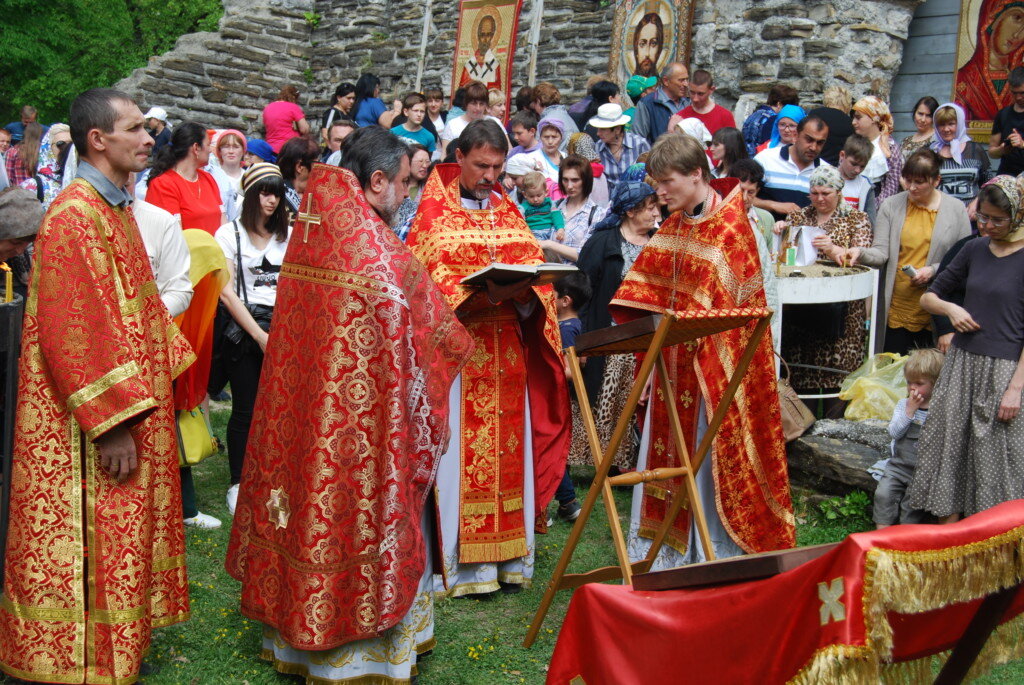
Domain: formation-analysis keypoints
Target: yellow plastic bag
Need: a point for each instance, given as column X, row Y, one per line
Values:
column 874, row 389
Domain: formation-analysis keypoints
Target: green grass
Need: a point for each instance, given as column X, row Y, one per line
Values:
column 478, row 642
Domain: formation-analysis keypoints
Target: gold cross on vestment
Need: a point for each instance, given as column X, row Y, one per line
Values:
column 831, row 595
column 277, row 507
column 307, row 217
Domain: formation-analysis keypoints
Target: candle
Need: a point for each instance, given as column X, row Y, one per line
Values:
column 8, row 282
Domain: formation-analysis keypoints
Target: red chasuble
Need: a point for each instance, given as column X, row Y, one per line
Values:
column 92, row 564
column 512, row 358
column 712, row 263
column 348, row 428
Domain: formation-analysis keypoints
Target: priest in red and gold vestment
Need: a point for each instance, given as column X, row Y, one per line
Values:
column 705, row 256
column 510, row 418
column 329, row 537
column 95, row 553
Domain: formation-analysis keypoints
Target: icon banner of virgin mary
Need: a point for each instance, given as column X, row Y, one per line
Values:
column 990, row 43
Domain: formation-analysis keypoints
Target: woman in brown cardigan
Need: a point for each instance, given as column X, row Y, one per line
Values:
column 913, row 228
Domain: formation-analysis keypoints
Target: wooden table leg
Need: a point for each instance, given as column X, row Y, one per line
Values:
column 967, row 649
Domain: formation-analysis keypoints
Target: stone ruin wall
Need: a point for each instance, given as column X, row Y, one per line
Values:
column 224, row 78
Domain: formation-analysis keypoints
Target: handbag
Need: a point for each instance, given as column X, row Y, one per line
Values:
column 230, row 329
column 796, row 417
column 196, row 441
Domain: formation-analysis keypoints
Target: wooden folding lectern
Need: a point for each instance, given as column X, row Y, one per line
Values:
column 649, row 335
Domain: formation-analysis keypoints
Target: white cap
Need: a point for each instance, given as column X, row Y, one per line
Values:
column 521, row 164
column 692, row 126
column 157, row 113
column 609, row 115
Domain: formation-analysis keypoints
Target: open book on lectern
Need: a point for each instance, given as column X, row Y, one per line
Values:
column 503, row 274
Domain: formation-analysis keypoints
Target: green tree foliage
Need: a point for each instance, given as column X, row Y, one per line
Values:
column 52, row 52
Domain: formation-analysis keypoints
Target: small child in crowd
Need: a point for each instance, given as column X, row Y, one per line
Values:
column 891, row 503
column 414, row 109
column 524, row 131
column 537, row 208
column 858, row 191
column 572, row 292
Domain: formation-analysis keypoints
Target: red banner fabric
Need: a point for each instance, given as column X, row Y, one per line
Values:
column 877, row 606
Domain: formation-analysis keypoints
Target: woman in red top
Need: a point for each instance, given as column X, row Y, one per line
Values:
column 178, row 184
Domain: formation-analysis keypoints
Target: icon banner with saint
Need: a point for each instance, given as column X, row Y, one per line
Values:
column 647, row 35
column 485, row 43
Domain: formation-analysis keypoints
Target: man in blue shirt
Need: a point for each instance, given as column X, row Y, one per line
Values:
column 17, row 128
column 654, row 110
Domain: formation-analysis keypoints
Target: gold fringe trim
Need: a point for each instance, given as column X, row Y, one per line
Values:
column 917, row 582
column 847, row 665
column 492, row 551
column 512, row 504
column 478, row 508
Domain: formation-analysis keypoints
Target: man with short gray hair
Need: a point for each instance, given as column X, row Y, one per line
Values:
column 654, row 110
column 348, row 427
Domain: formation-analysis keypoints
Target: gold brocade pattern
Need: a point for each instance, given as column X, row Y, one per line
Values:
column 98, row 348
column 712, row 263
column 348, row 429
column 453, row 242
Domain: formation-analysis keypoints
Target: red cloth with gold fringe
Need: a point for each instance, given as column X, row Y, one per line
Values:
column 874, row 609
column 348, row 428
column 712, row 263
column 513, row 358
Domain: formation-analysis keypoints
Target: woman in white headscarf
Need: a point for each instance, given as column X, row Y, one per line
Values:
column 965, row 166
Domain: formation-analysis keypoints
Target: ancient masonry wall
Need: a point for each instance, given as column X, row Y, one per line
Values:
column 225, row 78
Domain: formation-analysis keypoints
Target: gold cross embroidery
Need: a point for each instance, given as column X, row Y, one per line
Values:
column 831, row 595
column 277, row 507
column 307, row 217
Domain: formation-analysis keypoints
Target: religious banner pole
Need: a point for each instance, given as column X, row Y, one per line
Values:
column 10, row 348
column 538, row 12
column 423, row 44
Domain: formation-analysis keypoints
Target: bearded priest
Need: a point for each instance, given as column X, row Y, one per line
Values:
column 330, row 533
column 510, row 419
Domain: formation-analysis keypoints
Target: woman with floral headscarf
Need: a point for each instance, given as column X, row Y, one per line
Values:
column 583, row 145
column 872, row 119
column 46, row 182
column 830, row 337
column 607, row 255
column 965, row 166
column 971, row 451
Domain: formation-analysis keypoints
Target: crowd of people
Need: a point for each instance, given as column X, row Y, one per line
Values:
column 652, row 190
